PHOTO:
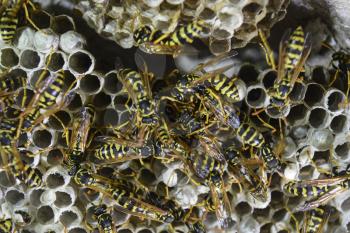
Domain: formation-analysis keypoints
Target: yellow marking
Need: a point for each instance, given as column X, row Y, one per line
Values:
column 296, row 47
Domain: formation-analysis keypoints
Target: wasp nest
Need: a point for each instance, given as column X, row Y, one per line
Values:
column 230, row 24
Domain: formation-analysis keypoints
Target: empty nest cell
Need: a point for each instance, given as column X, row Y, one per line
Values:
column 112, row 84
column 342, row 150
column 8, row 58
column 81, row 62
column 45, row 215
column 55, row 180
column 90, row 84
column 42, row 138
column 30, row 59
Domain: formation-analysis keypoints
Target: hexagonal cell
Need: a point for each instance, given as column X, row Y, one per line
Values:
column 306, row 173
column 55, row 61
column 68, row 217
column 59, row 120
column 339, row 124
column 62, row 23
column 297, row 114
column 55, row 157
column 6, row 179
column 15, row 197
column 70, row 81
column 342, row 150
column 268, row 78
column 318, row 118
column 248, row 73
column 76, row 103
column 120, row 102
column 251, row 10
column 321, row 157
column 42, row 138
column 63, row 199
column 243, row 208
column 38, row 77
column 112, row 85
column 334, row 100
column 90, row 84
column 101, row 100
column 55, row 180
column 41, row 19
column 81, row 62
column 8, row 58
column 314, row 94
column 219, row 46
column 256, row 97
column 298, row 92
column 45, row 215
column 30, row 59
column 276, row 198
column 322, row 139
column 34, row 198
column 110, row 117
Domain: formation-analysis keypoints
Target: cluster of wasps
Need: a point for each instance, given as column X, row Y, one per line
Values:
column 178, row 123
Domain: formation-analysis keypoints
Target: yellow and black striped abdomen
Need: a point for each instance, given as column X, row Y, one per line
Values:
column 226, row 86
column 127, row 201
column 204, row 165
column 184, row 34
column 6, row 225
column 111, row 152
column 8, row 24
column 12, row 84
column 315, row 222
column 250, row 135
column 294, row 48
column 26, row 174
column 305, row 191
column 49, row 96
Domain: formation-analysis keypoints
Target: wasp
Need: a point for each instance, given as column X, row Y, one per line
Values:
column 320, row 190
column 187, row 124
column 8, row 88
column 25, row 173
column 117, row 149
column 239, row 121
column 189, row 84
column 46, row 97
column 208, row 168
column 138, row 88
column 125, row 201
column 293, row 52
column 316, row 219
column 154, row 41
column 79, row 139
column 9, row 19
column 220, row 200
column 104, row 219
column 341, row 63
column 246, row 176
column 20, row 170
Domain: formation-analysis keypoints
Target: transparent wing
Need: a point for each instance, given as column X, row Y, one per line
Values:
column 321, row 200
column 282, row 55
